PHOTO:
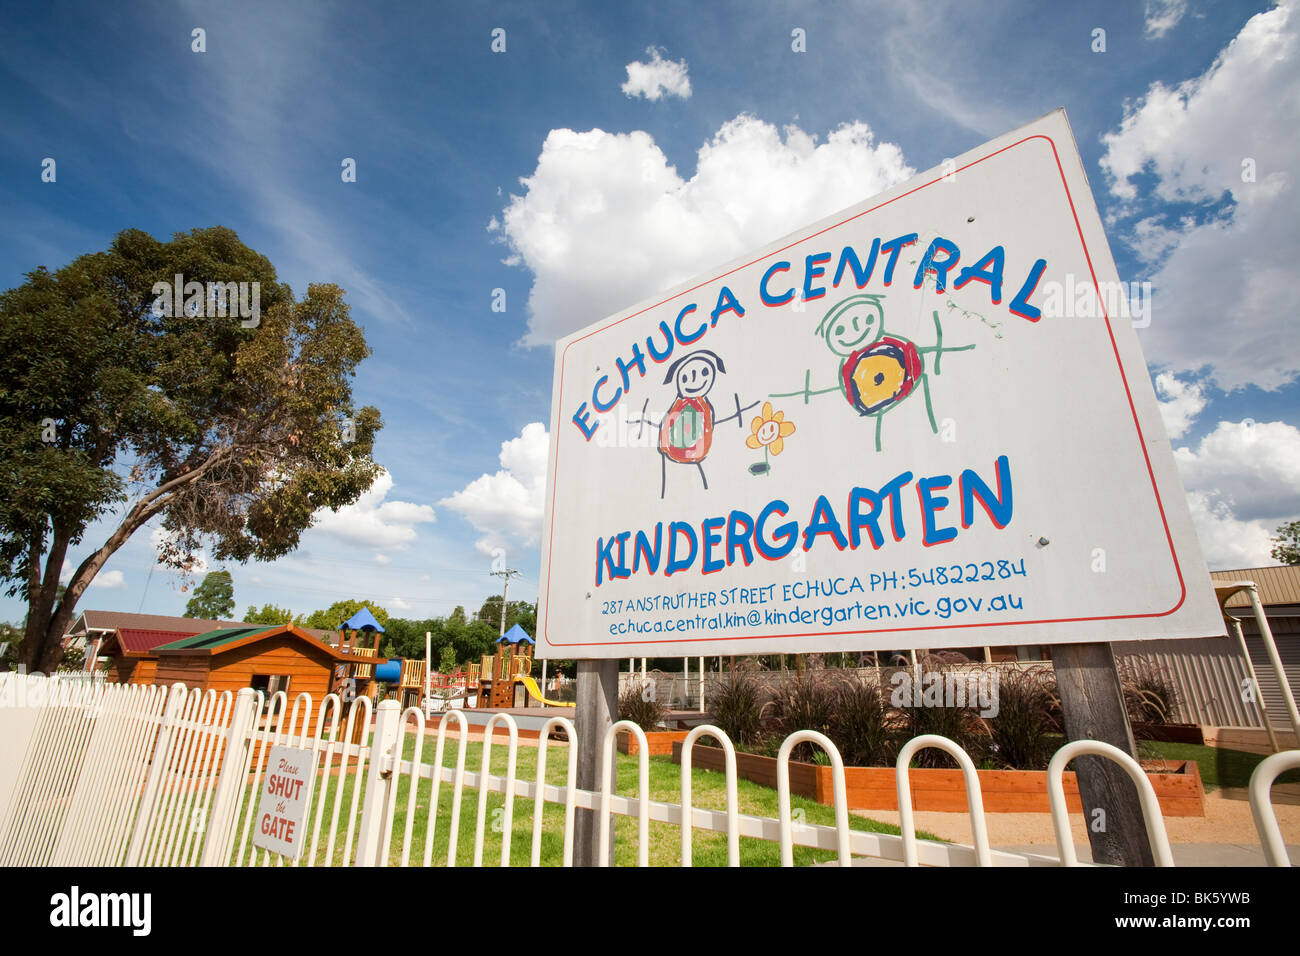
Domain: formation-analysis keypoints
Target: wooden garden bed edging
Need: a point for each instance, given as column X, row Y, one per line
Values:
column 660, row 742
column 1170, row 733
column 1005, row 791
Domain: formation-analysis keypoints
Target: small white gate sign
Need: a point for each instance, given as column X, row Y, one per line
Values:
column 282, row 806
column 923, row 422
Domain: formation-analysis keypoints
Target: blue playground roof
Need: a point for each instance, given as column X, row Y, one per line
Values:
column 363, row 620
column 515, row 635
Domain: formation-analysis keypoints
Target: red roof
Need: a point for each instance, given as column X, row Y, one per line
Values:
column 140, row 641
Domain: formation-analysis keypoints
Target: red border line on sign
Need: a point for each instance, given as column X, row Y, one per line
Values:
column 889, row 630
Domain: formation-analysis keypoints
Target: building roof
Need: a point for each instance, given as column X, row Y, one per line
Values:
column 116, row 620
column 135, row 640
column 219, row 637
column 221, row 640
column 1277, row 585
column 515, row 635
column 363, row 620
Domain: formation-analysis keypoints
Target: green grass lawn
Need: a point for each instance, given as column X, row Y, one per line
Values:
column 1219, row 767
column 708, row 792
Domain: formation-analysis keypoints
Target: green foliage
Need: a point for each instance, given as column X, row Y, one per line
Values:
column 518, row 612
column 1286, row 546
column 447, row 659
column 214, row 599
column 229, row 432
column 74, row 657
column 467, row 640
column 269, row 614
column 331, row 617
column 10, row 635
column 638, row 704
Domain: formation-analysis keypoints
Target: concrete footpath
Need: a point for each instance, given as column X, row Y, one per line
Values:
column 1225, row 836
column 1185, row 854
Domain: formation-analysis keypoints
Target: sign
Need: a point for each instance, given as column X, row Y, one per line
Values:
column 282, row 807
column 923, row 422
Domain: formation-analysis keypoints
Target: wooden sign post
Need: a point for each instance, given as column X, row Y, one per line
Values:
column 1092, row 702
column 597, row 711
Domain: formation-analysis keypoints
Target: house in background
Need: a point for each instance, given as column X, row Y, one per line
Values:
column 269, row 658
column 1214, row 681
column 129, row 639
column 130, row 653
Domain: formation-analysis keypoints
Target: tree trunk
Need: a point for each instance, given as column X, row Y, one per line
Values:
column 42, row 646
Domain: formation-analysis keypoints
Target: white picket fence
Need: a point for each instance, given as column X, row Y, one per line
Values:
column 95, row 774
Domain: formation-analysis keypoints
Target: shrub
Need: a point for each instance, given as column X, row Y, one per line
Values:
column 860, row 725
column 960, row 724
column 639, row 704
column 1150, row 695
column 806, row 702
column 1021, row 731
column 736, row 702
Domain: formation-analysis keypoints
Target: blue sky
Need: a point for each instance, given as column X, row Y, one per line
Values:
column 480, row 171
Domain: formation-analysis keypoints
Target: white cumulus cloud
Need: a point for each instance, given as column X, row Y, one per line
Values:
column 373, row 522
column 657, row 78
column 1180, row 403
column 1227, row 542
column 507, row 506
column 1251, row 466
column 1228, row 142
column 1162, row 16
column 1241, row 485
column 109, row 579
column 605, row 221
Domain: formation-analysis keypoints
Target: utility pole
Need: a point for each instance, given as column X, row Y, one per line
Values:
column 506, row 574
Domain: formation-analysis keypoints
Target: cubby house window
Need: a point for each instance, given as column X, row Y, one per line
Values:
column 269, row 684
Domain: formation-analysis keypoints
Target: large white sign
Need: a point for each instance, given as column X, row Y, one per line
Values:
column 923, row 422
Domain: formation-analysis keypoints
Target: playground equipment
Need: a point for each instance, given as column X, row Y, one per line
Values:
column 536, row 693
column 352, row 680
column 499, row 672
column 503, row 680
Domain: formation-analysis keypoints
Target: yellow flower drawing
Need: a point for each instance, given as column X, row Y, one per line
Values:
column 769, row 430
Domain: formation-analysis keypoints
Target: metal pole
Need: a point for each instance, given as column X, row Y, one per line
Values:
column 505, row 589
column 506, row 574
column 1266, row 635
column 701, row 685
column 1254, row 682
